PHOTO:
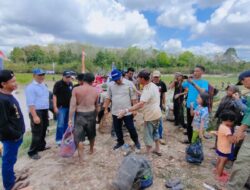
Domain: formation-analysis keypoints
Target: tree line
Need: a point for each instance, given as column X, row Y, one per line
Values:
column 100, row 59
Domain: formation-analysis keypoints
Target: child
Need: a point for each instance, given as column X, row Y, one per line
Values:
column 232, row 101
column 201, row 117
column 224, row 143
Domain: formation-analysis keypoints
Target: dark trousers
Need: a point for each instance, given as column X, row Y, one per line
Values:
column 189, row 125
column 129, row 123
column 38, row 131
column 178, row 113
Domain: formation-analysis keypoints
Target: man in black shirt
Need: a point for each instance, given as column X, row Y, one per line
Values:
column 162, row 89
column 12, row 129
column 61, row 100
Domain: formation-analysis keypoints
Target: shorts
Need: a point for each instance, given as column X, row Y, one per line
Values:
column 219, row 153
column 151, row 132
column 85, row 125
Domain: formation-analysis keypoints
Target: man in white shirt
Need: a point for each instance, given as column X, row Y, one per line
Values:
column 149, row 102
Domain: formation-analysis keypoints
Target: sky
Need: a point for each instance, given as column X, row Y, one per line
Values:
column 204, row 27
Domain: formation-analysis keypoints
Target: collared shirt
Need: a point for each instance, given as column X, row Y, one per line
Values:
column 151, row 96
column 62, row 91
column 37, row 94
column 246, row 119
column 121, row 96
column 193, row 92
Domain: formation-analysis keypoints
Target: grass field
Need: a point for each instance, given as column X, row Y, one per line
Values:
column 25, row 78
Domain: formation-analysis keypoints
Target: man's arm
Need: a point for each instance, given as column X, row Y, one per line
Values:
column 199, row 89
column 34, row 115
column 55, row 104
column 106, row 105
column 72, row 107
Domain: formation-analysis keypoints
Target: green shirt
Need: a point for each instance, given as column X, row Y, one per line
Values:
column 246, row 119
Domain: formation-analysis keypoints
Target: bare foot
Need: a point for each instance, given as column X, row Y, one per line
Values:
column 27, row 188
column 92, row 151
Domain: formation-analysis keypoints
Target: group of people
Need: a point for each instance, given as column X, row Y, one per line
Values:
column 76, row 106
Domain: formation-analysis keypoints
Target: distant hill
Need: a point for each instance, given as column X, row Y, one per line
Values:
column 230, row 56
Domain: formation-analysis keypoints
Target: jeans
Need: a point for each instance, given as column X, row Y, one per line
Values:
column 161, row 128
column 62, row 123
column 129, row 123
column 10, row 150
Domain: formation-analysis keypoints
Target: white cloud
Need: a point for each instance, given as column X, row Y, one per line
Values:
column 103, row 22
column 206, row 48
column 142, row 4
column 172, row 46
column 229, row 24
column 179, row 14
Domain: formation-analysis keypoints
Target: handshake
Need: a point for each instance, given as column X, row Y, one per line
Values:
column 122, row 113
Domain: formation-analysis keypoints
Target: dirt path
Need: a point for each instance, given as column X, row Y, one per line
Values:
column 52, row 172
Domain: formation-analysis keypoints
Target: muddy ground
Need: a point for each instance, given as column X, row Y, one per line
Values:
column 97, row 171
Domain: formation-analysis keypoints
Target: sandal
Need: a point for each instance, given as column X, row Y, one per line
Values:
column 157, row 153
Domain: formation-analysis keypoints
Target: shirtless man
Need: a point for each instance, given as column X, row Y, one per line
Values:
column 83, row 104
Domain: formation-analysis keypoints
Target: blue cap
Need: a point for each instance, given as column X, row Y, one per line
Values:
column 38, row 71
column 242, row 76
column 116, row 74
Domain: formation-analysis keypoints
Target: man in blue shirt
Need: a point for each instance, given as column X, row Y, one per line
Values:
column 11, row 130
column 194, row 85
column 37, row 98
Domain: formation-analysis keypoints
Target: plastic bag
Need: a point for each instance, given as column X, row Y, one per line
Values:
column 134, row 173
column 105, row 125
column 68, row 146
column 194, row 153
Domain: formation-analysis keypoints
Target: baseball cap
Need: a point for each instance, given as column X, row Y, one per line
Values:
column 116, row 74
column 67, row 73
column 6, row 75
column 156, row 74
column 242, row 76
column 38, row 71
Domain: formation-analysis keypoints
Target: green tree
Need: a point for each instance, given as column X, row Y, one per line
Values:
column 162, row 59
column 186, row 58
column 34, row 54
column 18, row 55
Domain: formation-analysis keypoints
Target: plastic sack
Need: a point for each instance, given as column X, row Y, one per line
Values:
column 105, row 125
column 194, row 153
column 134, row 173
column 68, row 146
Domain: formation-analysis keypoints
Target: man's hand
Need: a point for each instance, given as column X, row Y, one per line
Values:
column 36, row 120
column 121, row 114
column 56, row 110
column 70, row 123
column 134, row 113
column 106, row 111
column 176, row 96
